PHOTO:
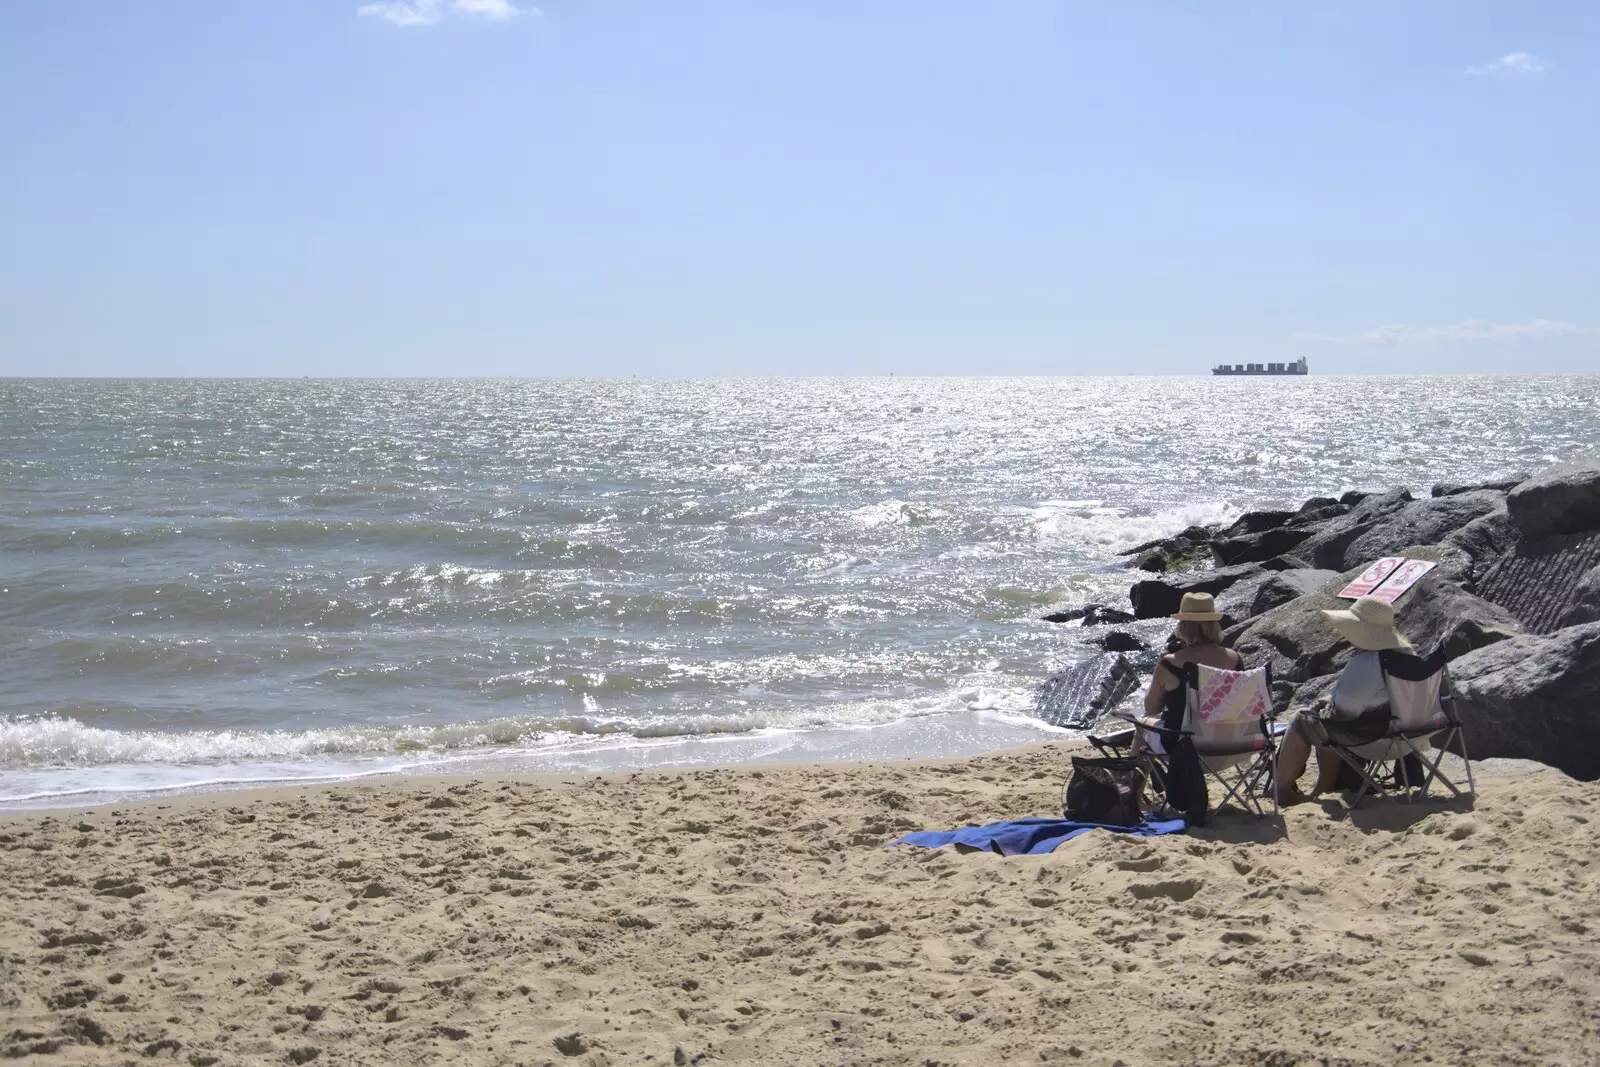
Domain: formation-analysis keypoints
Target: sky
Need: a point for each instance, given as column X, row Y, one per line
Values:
column 486, row 187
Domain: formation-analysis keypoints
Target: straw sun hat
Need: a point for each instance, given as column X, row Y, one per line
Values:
column 1198, row 607
column 1369, row 625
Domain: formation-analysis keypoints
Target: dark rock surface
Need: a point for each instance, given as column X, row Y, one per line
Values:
column 1585, row 604
column 1283, row 586
column 1079, row 695
column 1504, row 485
column 1562, row 500
column 1154, row 560
column 1486, row 541
column 1186, row 538
column 1237, row 602
column 1421, row 522
column 1319, row 509
column 1091, row 615
column 1259, row 593
column 1123, row 641
column 1252, row 522
column 1257, row 547
column 1155, row 598
column 1534, row 698
column 1327, row 546
column 1537, row 581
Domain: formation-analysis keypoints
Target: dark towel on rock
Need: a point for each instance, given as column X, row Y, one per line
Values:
column 1030, row 837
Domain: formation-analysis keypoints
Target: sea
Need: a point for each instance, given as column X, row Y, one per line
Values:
column 213, row 583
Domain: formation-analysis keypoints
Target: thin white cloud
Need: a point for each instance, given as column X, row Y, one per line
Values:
column 1470, row 331
column 1512, row 65
column 428, row 12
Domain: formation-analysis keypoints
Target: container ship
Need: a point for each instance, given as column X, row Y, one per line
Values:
column 1297, row 367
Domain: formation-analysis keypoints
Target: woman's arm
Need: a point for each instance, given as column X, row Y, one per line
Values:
column 1156, row 696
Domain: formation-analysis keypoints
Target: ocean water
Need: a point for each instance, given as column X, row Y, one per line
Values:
column 211, row 581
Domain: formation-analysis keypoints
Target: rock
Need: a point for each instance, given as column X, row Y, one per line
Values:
column 1562, row 500
column 1319, row 509
column 1076, row 697
column 1327, row 545
column 1260, row 593
column 1280, row 587
column 1439, row 613
column 1100, row 615
column 1300, row 644
column 1504, row 485
column 1534, row 698
column 1253, row 522
column 1585, row 602
column 1154, row 560
column 1421, row 522
column 1486, row 540
column 1123, row 641
column 1256, row 547
column 1090, row 615
column 1237, row 601
column 1353, row 497
column 1539, row 581
column 1178, row 544
column 1155, row 598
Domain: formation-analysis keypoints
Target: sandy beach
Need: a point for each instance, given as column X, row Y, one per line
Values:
column 752, row 915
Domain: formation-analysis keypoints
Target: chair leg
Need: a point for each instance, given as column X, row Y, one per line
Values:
column 1435, row 766
column 1369, row 782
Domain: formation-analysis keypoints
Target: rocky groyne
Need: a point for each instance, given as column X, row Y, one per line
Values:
column 1514, row 601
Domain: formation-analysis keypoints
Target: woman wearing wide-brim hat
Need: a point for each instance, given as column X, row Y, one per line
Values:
column 1200, row 632
column 1359, row 693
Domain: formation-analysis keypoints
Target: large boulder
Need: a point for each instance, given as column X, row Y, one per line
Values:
column 1186, row 538
column 1283, row 586
column 1437, row 611
column 1078, row 696
column 1485, row 541
column 1260, row 593
column 1585, row 604
column 1155, row 598
column 1318, row 509
column 1534, row 698
column 1258, row 547
column 1328, row 544
column 1256, row 521
column 1562, row 500
column 1540, row 582
column 1421, row 522
column 1504, row 485
column 1090, row 615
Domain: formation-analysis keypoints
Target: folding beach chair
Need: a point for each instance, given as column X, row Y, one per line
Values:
column 1421, row 713
column 1228, row 717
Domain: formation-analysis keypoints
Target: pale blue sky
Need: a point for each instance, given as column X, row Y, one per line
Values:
column 837, row 186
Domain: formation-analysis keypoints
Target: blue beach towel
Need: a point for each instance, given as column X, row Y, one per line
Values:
column 1030, row 837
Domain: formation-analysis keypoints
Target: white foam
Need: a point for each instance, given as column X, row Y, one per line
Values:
column 1088, row 525
column 57, row 757
column 895, row 513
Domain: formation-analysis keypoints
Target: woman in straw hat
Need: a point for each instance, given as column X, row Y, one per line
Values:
column 1200, row 631
column 1360, row 698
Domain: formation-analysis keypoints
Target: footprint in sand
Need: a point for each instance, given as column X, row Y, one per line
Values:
column 1177, row 889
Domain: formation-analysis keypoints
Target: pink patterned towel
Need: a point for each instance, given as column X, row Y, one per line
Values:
column 1232, row 696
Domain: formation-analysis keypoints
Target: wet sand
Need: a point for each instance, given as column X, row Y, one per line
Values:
column 752, row 915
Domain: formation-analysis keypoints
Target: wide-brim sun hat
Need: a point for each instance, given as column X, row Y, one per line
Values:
column 1368, row 624
column 1198, row 607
